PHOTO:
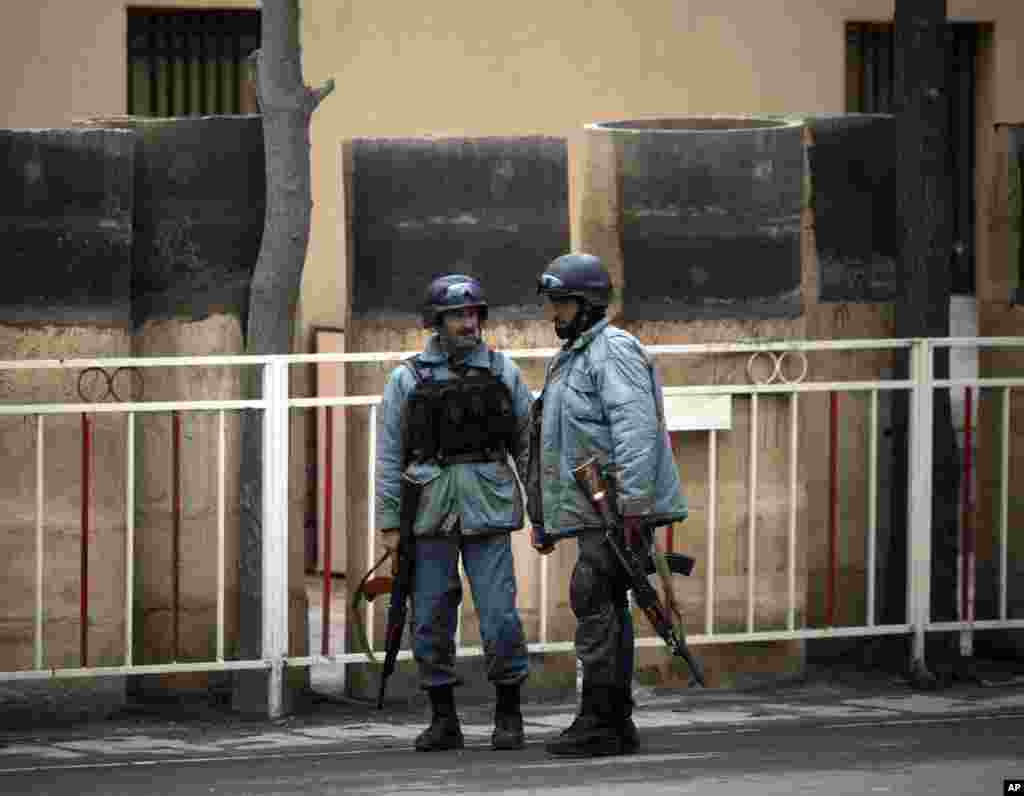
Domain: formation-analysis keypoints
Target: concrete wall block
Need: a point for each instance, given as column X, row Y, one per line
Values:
column 423, row 207
column 198, row 492
column 200, row 194
column 66, row 215
column 853, row 193
column 849, row 597
column 694, row 200
column 62, row 520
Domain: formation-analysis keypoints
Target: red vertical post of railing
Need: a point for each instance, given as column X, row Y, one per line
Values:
column 176, row 527
column 325, row 609
column 833, row 505
column 966, row 527
column 86, row 491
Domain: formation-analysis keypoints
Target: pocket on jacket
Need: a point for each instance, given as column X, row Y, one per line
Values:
column 436, row 500
column 497, row 502
column 584, row 402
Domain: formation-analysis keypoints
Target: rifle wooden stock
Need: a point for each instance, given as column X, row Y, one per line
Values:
column 592, row 482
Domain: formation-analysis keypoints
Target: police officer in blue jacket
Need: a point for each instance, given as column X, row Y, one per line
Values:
column 601, row 398
column 453, row 419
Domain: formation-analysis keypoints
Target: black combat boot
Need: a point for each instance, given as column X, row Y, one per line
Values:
column 444, row 731
column 630, row 738
column 597, row 730
column 508, row 719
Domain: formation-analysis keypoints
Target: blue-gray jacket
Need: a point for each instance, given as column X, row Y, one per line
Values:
column 602, row 397
column 485, row 496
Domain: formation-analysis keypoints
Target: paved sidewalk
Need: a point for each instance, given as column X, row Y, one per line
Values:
column 338, row 726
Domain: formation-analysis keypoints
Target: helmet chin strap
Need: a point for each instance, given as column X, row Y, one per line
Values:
column 586, row 316
column 568, row 331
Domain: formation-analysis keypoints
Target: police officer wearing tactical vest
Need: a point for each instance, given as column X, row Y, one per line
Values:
column 450, row 419
column 601, row 398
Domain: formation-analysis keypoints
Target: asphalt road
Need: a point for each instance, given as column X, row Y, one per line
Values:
column 910, row 754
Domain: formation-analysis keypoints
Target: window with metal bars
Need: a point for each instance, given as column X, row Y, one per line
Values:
column 870, row 88
column 191, row 62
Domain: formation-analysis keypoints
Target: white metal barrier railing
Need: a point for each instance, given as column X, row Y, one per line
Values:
column 275, row 405
column 968, row 623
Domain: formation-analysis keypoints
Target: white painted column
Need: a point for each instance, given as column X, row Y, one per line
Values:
column 40, row 489
column 221, row 490
column 752, row 516
column 1004, row 500
column 129, row 540
column 919, row 504
column 794, row 423
column 275, row 529
column 872, row 504
column 712, row 532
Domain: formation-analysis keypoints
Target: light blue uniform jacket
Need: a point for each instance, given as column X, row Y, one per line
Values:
column 484, row 496
column 602, row 397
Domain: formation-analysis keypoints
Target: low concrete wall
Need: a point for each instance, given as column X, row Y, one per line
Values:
column 603, row 163
column 1000, row 312
column 851, row 241
column 655, row 200
column 62, row 521
column 143, row 233
column 65, row 201
column 496, row 208
column 198, row 489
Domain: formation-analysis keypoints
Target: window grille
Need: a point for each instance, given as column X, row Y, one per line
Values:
column 184, row 63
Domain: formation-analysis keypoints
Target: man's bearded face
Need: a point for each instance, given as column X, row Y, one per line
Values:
column 564, row 312
column 461, row 329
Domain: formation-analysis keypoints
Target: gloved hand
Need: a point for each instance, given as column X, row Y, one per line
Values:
column 540, row 540
column 389, row 538
column 633, row 530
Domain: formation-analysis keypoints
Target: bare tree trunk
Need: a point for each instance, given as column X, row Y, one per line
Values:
column 923, row 305
column 286, row 105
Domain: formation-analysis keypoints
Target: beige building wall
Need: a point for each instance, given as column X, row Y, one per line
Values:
column 455, row 68
column 66, row 59
column 546, row 68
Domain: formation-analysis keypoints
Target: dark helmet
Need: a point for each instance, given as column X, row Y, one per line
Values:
column 577, row 275
column 452, row 292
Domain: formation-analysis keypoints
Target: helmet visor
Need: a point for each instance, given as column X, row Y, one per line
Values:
column 460, row 293
column 547, row 282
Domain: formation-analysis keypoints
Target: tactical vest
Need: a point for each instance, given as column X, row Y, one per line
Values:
column 469, row 418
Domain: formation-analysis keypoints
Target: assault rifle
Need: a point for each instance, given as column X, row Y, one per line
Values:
column 592, row 482
column 402, row 583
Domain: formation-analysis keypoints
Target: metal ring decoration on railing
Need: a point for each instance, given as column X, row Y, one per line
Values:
column 772, row 358
column 777, row 369
column 782, row 368
column 96, row 384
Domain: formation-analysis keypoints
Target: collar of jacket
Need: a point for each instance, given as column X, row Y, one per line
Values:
column 586, row 337
column 435, row 355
